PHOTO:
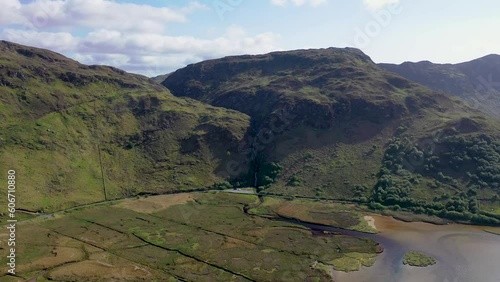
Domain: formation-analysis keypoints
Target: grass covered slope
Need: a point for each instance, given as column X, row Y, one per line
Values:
column 65, row 125
column 325, row 124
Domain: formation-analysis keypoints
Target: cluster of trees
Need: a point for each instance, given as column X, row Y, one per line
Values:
column 222, row 186
column 267, row 175
column 396, row 178
column 480, row 154
column 477, row 158
column 263, row 177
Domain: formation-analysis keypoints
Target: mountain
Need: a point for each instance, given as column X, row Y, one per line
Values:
column 324, row 124
column 477, row 81
column 330, row 123
column 78, row 134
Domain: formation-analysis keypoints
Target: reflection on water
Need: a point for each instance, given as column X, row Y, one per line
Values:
column 463, row 253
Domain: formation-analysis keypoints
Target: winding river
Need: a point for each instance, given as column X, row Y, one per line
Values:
column 463, row 253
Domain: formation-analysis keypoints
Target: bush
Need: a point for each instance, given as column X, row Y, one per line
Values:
column 376, row 206
column 396, row 208
column 295, row 181
column 222, row 186
column 268, row 173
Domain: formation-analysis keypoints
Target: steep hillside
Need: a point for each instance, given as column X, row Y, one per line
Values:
column 330, row 123
column 477, row 81
column 78, row 134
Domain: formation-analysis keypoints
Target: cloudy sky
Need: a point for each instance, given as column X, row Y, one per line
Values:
column 159, row 36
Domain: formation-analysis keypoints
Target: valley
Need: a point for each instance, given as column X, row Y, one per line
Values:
column 304, row 165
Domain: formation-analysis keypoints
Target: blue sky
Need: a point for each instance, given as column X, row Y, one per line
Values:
column 159, row 36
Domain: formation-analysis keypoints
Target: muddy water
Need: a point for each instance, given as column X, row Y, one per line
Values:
column 463, row 253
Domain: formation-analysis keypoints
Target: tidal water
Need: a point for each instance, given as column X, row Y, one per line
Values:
column 463, row 253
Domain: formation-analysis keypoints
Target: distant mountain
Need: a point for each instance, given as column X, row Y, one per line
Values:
column 330, row 123
column 477, row 81
column 160, row 78
column 65, row 125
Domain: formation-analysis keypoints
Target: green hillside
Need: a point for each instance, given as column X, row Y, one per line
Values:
column 331, row 124
column 66, row 126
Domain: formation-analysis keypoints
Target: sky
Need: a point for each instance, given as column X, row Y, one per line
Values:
column 159, row 36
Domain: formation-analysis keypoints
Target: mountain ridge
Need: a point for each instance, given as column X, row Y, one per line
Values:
column 477, row 81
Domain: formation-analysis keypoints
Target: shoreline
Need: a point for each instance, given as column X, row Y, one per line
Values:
column 370, row 220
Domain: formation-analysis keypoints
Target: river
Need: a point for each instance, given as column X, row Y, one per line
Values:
column 463, row 253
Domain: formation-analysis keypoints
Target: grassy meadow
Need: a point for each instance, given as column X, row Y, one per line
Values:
column 187, row 237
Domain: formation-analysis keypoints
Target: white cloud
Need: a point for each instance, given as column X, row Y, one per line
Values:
column 66, row 14
column 233, row 41
column 378, row 4
column 56, row 41
column 147, row 53
column 6, row 14
column 298, row 3
column 124, row 35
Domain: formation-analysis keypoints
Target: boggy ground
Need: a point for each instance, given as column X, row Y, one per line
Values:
column 205, row 237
